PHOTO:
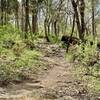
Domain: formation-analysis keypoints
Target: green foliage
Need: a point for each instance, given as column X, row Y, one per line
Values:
column 16, row 55
column 71, row 54
column 11, row 62
column 54, row 39
column 86, row 52
column 88, row 56
column 87, row 62
column 8, row 32
column 69, row 57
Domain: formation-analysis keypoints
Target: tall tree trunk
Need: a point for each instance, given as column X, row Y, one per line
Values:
column 22, row 15
column 71, row 33
column 2, row 11
column 82, row 9
column 74, row 4
column 34, row 17
column 55, row 28
column 34, row 23
column 5, row 12
column 79, row 20
column 73, row 25
column 17, row 17
column 93, row 20
column 46, row 30
column 26, row 17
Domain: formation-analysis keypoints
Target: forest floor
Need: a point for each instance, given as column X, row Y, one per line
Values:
column 56, row 82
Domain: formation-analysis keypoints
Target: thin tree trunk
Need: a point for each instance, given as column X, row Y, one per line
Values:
column 22, row 16
column 79, row 20
column 2, row 11
column 82, row 9
column 74, row 4
column 17, row 18
column 71, row 33
column 34, row 17
column 5, row 12
column 26, row 17
column 93, row 20
column 34, row 23
column 46, row 30
column 55, row 28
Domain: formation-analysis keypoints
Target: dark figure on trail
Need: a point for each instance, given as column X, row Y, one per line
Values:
column 69, row 40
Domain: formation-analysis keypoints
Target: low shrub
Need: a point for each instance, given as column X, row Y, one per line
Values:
column 17, row 56
column 86, row 59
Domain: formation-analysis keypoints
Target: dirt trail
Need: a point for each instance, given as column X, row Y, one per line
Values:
column 56, row 83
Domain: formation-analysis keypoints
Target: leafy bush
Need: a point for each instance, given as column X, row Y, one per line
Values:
column 11, row 65
column 86, row 55
column 53, row 38
column 17, row 57
column 86, row 59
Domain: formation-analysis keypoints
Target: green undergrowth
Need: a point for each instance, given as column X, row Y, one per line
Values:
column 86, row 59
column 18, row 57
column 92, row 81
column 54, row 39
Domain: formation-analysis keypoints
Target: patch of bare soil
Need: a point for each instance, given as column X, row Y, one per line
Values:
column 56, row 83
